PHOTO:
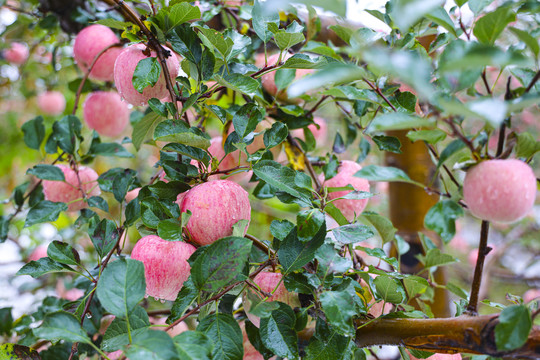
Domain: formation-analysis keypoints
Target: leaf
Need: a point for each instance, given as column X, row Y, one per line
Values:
column 220, row 263
column 397, row 121
column 280, row 177
column 527, row 146
column 114, row 24
column 308, row 223
column 289, row 37
column 6, row 321
column 379, row 254
column 334, row 73
column 513, row 328
column 382, row 224
column 452, row 148
column 178, row 132
column 387, row 143
column 278, row 332
column 41, row 267
column 338, row 310
column 105, row 236
column 193, row 345
column 47, row 172
column 245, row 120
column 275, row 135
column 170, row 230
column 116, row 334
column 63, row 253
column 294, row 254
column 61, row 325
column 430, row 136
column 34, row 132
column 488, row 27
column 441, row 17
column 109, row 149
column 389, row 289
column 352, row 233
column 10, row 351
column 185, row 298
column 238, row 82
column 262, row 14
column 152, row 344
column 66, row 132
column 44, row 211
column 385, row 173
column 226, row 335
column 406, row 13
column 146, row 74
column 434, row 257
column 478, row 5
column 144, row 129
column 183, row 12
column 528, row 39
column 121, row 286
column 441, row 218
column 329, row 344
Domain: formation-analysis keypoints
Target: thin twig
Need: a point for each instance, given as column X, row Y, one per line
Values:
column 483, row 250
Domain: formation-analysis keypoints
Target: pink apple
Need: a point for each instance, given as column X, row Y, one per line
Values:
column 319, row 132
column 215, row 206
column 500, row 190
column 268, row 282
column 531, row 295
column 89, row 43
column 69, row 191
column 17, row 53
column 345, row 176
column 38, row 253
column 165, row 265
column 51, row 102
column 124, row 68
column 439, row 356
column 250, row 353
column 131, row 195
column 105, row 112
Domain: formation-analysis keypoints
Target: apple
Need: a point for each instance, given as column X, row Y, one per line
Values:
column 124, row 68
column 500, row 190
column 17, row 53
column 531, row 295
column 105, row 112
column 345, row 176
column 438, row 356
column 319, row 132
column 250, row 353
column 89, row 43
column 38, row 253
column 215, row 207
column 165, row 265
column 51, row 102
column 131, row 195
column 69, row 191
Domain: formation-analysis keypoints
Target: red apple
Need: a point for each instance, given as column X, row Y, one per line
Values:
column 165, row 265
column 105, row 112
column 51, row 102
column 16, row 54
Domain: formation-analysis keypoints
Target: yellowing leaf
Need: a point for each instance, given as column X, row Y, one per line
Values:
column 295, row 157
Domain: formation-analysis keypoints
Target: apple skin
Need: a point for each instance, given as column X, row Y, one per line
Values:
column 105, row 112
column 89, row 42
column 319, row 133
column 439, row 356
column 344, row 177
column 131, row 195
column 124, row 67
column 68, row 190
column 51, row 102
column 17, row 54
column 215, row 206
column 165, row 265
column 531, row 295
column 38, row 253
column 250, row 353
column 501, row 191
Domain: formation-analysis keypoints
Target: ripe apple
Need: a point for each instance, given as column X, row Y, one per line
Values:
column 105, row 112
column 531, row 295
column 439, row 356
column 319, row 132
column 38, row 253
column 124, row 68
column 165, row 265
column 250, row 353
column 51, row 102
column 131, row 195
column 16, row 54
column 215, row 207
column 500, row 190
column 68, row 191
column 344, row 177
column 89, row 43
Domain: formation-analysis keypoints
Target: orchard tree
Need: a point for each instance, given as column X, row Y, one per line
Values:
column 263, row 180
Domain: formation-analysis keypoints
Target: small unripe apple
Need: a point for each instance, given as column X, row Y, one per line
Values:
column 215, row 207
column 267, row 282
column 89, row 43
column 124, row 68
column 69, row 190
column 51, row 102
column 165, row 265
column 319, row 132
column 500, row 190
column 16, row 54
column 105, row 112
column 344, row 177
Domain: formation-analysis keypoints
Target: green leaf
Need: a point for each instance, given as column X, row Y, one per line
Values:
column 34, row 132
column 6, row 321
column 385, row 173
column 513, row 328
column 61, row 325
column 181, row 13
column 144, row 129
column 406, row 13
column 178, row 132
column 226, row 335
column 170, row 229
column 47, row 172
column 398, row 121
column 116, row 334
column 527, row 146
column 44, row 211
column 63, row 253
column 389, row 289
column 215, row 40
column 478, row 5
column 185, row 298
column 329, row 344
column 109, row 149
column 387, row 143
column 220, row 263
column 309, row 223
column 146, row 73
column 294, row 254
column 114, row 24
column 429, row 136
column 448, row 151
column 41, row 267
column 190, row 151
column 66, row 132
column 441, row 218
column 379, row 254
column 245, row 120
column 352, row 233
column 121, row 286
column 193, row 345
column 238, row 82
column 152, row 344
column 262, row 14
column 434, row 257
column 275, row 135
column 490, row 26
column 289, row 37
column 105, row 236
column 338, row 310
column 280, row 177
column 415, row 285
column 382, row 224
column 10, row 351
column 278, row 332
column 528, row 39
column 441, row 17
column 335, row 73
